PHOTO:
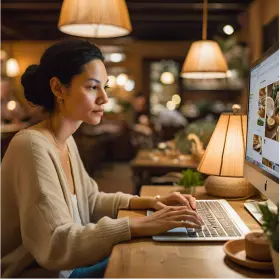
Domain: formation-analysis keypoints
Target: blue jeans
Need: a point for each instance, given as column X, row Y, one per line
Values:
column 93, row 271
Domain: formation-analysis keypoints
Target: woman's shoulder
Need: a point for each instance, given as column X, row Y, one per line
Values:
column 25, row 145
column 29, row 137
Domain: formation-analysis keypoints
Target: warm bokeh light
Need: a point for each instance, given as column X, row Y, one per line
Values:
column 11, row 105
column 170, row 105
column 129, row 85
column 109, row 106
column 12, row 67
column 167, row 78
column 3, row 54
column 112, row 81
column 117, row 57
column 122, row 79
column 228, row 29
column 176, row 99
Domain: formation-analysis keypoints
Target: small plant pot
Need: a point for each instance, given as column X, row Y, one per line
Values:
column 190, row 190
column 185, row 190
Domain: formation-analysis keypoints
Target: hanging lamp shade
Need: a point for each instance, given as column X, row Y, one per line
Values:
column 94, row 18
column 204, row 60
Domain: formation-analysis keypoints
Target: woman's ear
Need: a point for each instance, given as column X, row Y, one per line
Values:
column 56, row 87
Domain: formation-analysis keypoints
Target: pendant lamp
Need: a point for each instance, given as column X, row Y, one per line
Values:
column 94, row 18
column 205, row 59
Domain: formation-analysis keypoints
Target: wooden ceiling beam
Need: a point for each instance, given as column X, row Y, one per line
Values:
column 12, row 29
column 38, row 17
column 185, row 6
column 140, row 5
column 180, row 18
column 134, row 17
column 31, row 6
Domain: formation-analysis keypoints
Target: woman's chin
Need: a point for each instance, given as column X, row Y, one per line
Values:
column 93, row 120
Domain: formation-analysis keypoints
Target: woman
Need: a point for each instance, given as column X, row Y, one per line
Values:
column 54, row 219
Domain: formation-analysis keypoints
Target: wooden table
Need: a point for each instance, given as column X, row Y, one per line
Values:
column 145, row 258
column 148, row 163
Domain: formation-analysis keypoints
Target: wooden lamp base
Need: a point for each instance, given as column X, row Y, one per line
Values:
column 228, row 187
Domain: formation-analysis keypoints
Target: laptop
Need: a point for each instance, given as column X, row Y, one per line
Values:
column 221, row 223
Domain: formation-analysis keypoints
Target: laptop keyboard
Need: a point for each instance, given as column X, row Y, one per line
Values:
column 217, row 222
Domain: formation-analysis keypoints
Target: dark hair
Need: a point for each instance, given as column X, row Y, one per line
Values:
column 62, row 60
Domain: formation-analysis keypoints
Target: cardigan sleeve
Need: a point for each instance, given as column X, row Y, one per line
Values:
column 101, row 204
column 48, row 231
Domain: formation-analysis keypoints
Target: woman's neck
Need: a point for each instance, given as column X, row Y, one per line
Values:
column 61, row 127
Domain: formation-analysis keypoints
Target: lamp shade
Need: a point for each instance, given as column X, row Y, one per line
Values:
column 225, row 152
column 94, row 18
column 204, row 60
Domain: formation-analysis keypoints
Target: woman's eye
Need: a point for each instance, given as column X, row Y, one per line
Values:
column 106, row 87
column 92, row 87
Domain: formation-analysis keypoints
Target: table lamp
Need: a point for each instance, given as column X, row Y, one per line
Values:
column 224, row 157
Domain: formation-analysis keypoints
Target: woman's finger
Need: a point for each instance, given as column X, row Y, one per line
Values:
column 191, row 200
column 186, row 218
column 160, row 205
column 177, row 224
column 183, row 211
column 182, row 199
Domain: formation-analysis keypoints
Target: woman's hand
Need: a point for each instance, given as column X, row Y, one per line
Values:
column 175, row 198
column 163, row 220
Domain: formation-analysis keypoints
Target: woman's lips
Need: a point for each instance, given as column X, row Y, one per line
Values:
column 99, row 112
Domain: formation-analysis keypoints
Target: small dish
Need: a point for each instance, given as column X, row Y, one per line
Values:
column 235, row 250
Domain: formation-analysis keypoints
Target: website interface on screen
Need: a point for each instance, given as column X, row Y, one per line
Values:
column 263, row 116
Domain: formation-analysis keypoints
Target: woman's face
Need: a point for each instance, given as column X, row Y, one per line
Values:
column 86, row 95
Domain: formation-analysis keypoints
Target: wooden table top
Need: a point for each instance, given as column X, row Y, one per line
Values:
column 145, row 258
column 156, row 158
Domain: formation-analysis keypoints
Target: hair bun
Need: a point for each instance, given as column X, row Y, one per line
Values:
column 29, row 74
column 29, row 81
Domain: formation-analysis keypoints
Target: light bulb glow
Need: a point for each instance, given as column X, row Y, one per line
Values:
column 122, row 79
column 12, row 67
column 228, row 29
column 204, row 75
column 176, row 99
column 170, row 105
column 129, row 85
column 167, row 78
column 11, row 105
column 117, row 57
column 112, row 81
column 109, row 106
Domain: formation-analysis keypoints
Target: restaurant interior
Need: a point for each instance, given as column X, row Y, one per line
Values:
column 162, row 109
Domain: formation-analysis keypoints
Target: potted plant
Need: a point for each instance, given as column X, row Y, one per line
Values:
column 270, row 226
column 190, row 180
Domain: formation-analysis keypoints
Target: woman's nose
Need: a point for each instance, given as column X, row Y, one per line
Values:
column 102, row 97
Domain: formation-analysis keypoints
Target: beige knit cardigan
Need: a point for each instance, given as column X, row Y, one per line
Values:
column 37, row 222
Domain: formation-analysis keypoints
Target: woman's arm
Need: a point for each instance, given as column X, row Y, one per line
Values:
column 142, row 203
column 158, row 202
